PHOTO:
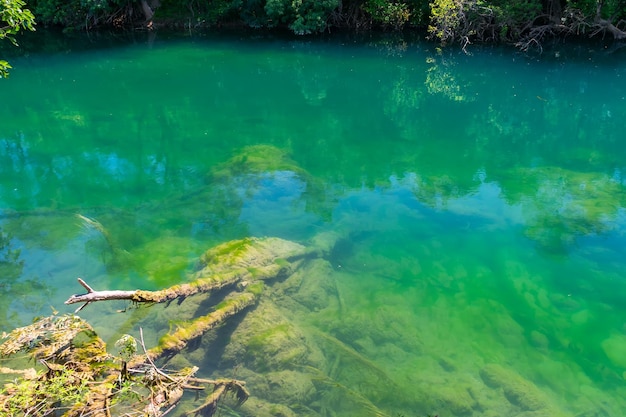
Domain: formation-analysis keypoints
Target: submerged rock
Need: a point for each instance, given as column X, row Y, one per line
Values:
column 250, row 253
column 614, row 348
column 268, row 341
column 316, row 288
column 289, row 387
column 456, row 400
column 260, row 408
column 539, row 340
column 518, row 391
column 256, row 159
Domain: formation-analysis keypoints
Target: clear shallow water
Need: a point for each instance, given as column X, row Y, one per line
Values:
column 479, row 199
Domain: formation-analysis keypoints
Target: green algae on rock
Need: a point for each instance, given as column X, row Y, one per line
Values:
column 256, row 159
column 518, row 391
column 246, row 263
column 246, row 260
column 614, row 348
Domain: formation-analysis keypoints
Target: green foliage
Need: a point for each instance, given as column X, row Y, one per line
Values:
column 446, row 17
column 13, row 18
column 126, row 347
column 611, row 9
column 511, row 17
column 199, row 12
column 4, row 68
column 485, row 20
column 515, row 12
column 447, row 20
column 311, row 15
column 587, row 7
column 496, row 20
column 301, row 16
column 58, row 390
column 388, row 13
column 215, row 11
column 278, row 12
column 58, row 12
column 76, row 14
column 253, row 13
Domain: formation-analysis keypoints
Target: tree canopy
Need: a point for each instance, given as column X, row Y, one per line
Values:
column 524, row 22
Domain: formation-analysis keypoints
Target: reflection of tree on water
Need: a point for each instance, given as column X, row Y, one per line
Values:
column 160, row 239
column 10, row 264
column 560, row 205
column 441, row 79
column 31, row 293
column 156, row 230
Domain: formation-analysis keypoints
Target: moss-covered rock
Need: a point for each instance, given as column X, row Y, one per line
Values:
column 166, row 259
column 268, row 341
column 252, row 254
column 256, row 159
column 259, row 408
column 316, row 289
column 456, row 400
column 539, row 340
column 518, row 390
column 288, row 387
column 614, row 348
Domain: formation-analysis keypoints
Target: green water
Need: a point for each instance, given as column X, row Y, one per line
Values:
column 479, row 200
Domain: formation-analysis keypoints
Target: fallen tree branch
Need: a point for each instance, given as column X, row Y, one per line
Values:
column 93, row 295
column 202, row 285
column 243, row 265
column 237, row 262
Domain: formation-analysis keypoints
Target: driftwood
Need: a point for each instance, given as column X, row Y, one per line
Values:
column 242, row 265
column 92, row 296
column 172, row 343
column 238, row 262
column 51, row 341
column 177, row 291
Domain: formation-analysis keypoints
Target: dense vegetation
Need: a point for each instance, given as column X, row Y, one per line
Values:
column 526, row 22
column 13, row 18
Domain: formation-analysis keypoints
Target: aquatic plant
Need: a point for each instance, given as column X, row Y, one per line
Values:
column 79, row 377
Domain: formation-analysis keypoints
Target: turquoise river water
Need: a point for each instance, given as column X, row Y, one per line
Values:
column 479, row 202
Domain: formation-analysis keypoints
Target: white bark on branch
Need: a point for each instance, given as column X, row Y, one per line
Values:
column 93, row 295
column 203, row 284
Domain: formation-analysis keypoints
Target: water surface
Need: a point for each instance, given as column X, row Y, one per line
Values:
column 479, row 202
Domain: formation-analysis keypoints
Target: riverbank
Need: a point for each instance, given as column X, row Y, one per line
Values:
column 526, row 24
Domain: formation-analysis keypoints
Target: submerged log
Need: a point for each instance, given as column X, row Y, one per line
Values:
column 70, row 347
column 168, row 294
column 172, row 343
column 226, row 265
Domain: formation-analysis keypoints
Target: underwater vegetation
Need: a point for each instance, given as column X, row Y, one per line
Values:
column 379, row 316
column 466, row 214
